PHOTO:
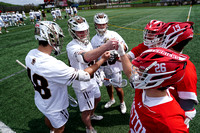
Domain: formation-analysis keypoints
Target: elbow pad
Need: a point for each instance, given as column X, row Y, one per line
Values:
column 83, row 75
column 80, row 57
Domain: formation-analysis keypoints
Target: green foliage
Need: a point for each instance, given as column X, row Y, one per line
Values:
column 17, row 108
column 6, row 4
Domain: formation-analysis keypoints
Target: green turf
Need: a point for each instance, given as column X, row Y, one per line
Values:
column 17, row 108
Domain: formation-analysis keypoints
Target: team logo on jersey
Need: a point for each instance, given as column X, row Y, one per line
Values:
column 33, row 61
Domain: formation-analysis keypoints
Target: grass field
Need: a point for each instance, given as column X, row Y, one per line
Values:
column 17, row 108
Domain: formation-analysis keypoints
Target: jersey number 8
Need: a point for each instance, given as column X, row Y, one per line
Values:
column 40, row 84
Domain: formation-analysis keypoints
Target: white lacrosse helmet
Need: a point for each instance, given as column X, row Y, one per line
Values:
column 51, row 32
column 100, row 18
column 78, row 23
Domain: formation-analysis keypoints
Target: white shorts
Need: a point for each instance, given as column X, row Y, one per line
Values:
column 86, row 98
column 58, row 119
column 117, row 77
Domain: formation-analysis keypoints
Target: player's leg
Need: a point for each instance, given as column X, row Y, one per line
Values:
column 86, row 106
column 48, row 123
column 117, row 77
column 85, row 116
column 97, row 99
column 110, row 91
column 56, row 121
column 0, row 30
column 108, row 74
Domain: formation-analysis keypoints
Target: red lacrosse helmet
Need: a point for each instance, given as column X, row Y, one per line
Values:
column 150, row 31
column 157, row 68
column 173, row 33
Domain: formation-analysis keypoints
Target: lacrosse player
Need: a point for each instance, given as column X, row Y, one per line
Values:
column 112, row 68
column 50, row 77
column 75, row 11
column 2, row 24
column 154, row 109
column 148, row 36
column 32, row 17
column 53, row 13
column 81, row 55
column 174, row 36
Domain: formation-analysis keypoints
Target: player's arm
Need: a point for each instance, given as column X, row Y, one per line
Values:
column 136, row 51
column 126, row 64
column 188, row 106
column 96, row 53
column 89, row 71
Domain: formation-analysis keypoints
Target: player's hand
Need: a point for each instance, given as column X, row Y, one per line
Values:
column 106, row 55
column 112, row 44
column 189, row 116
column 120, row 49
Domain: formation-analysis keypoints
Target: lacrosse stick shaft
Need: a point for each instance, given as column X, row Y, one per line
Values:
column 21, row 64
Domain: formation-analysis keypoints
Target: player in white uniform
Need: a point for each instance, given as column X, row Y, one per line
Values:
column 112, row 68
column 24, row 15
column 50, row 77
column 58, row 13
column 75, row 11
column 81, row 55
column 32, row 17
column 2, row 24
column 53, row 13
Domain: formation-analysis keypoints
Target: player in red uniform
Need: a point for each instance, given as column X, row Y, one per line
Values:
column 154, row 109
column 174, row 36
column 149, row 33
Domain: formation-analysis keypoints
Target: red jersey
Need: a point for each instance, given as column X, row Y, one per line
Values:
column 187, row 87
column 167, row 117
column 139, row 49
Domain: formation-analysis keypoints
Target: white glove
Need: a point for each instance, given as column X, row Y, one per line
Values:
column 189, row 116
column 120, row 50
column 99, row 76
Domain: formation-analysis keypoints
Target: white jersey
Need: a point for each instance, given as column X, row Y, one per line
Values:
column 1, row 22
column 50, row 78
column 19, row 15
column 53, row 13
column 98, row 40
column 75, row 47
column 14, row 17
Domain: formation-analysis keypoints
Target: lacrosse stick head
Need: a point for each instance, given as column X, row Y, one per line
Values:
column 72, row 101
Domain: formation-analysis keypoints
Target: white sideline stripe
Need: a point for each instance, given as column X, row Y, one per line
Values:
column 20, row 72
column 5, row 129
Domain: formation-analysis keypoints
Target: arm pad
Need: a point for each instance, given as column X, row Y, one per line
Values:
column 187, row 104
column 83, row 75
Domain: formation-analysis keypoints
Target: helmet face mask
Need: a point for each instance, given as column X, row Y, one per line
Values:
column 150, row 38
column 149, row 34
column 79, row 24
column 50, row 32
column 101, row 23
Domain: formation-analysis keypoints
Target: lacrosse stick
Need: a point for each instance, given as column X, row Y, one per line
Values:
column 72, row 101
column 121, row 85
